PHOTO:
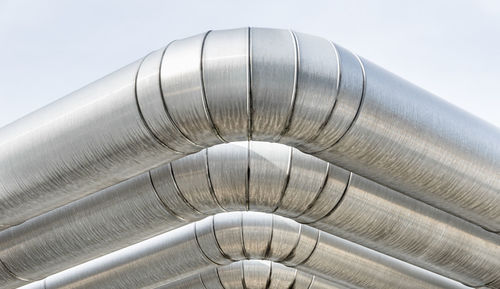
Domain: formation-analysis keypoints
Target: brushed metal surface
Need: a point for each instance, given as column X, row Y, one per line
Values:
column 226, row 78
column 183, row 93
column 268, row 177
column 178, row 254
column 340, row 203
column 83, row 230
column 43, row 167
column 254, row 274
column 379, row 126
column 349, row 87
column 412, row 141
column 153, row 109
column 273, row 81
column 317, row 82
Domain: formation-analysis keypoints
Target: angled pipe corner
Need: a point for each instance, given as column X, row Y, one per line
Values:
column 254, row 176
column 266, row 84
column 252, row 274
column 221, row 240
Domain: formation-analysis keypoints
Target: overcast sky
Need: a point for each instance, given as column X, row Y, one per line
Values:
column 49, row 48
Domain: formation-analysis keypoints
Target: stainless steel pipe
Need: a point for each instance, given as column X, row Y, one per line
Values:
column 254, row 176
column 262, row 84
column 253, row 274
column 223, row 239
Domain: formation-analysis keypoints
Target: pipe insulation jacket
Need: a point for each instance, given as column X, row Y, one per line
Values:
column 255, row 274
column 225, row 238
column 255, row 176
column 261, row 84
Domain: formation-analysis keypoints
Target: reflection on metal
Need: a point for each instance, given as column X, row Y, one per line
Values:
column 252, row 274
column 420, row 179
column 268, row 84
column 225, row 238
column 261, row 177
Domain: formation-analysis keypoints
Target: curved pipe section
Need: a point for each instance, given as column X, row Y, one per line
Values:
column 253, row 274
column 253, row 176
column 223, row 239
column 262, row 84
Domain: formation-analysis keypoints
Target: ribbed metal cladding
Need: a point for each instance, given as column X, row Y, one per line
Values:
column 252, row 274
column 254, row 176
column 266, row 84
column 222, row 239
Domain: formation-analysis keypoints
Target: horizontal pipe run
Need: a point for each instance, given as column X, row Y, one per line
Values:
column 260, row 177
column 225, row 238
column 266, row 84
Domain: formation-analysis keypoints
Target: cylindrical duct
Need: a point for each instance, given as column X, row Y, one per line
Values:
column 265, row 84
column 223, row 239
column 255, row 176
column 255, row 274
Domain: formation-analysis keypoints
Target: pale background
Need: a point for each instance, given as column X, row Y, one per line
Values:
column 49, row 48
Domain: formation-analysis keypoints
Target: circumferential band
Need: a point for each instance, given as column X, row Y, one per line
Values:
column 208, row 92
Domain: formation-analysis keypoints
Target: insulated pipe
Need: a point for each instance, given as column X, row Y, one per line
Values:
column 262, row 84
column 254, row 274
column 260, row 177
column 223, row 239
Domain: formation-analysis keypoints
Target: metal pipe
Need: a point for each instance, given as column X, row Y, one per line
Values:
column 225, row 238
column 253, row 274
column 262, row 84
column 254, row 176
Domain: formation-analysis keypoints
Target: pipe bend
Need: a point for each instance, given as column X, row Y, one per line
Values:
column 262, row 177
column 301, row 90
column 353, row 265
column 262, row 84
column 256, row 274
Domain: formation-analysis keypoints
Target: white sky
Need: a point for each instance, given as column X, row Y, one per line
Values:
column 49, row 48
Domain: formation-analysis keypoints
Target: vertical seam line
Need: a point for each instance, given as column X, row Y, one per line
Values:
column 208, row 115
column 249, row 87
column 243, row 280
column 167, row 208
column 292, row 285
column 312, row 281
column 269, row 276
column 339, row 202
column 269, row 243
column 210, row 184
column 165, row 106
column 287, row 180
column 247, row 185
column 356, row 116
column 217, row 244
column 312, row 251
column 141, row 114
column 243, row 248
column 318, row 194
column 335, row 101
column 219, row 278
column 294, row 249
column 288, row 121
column 179, row 192
column 201, row 280
column 199, row 246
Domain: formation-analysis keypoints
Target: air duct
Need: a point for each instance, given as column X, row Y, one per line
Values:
column 223, row 239
column 262, row 84
column 253, row 274
column 260, row 177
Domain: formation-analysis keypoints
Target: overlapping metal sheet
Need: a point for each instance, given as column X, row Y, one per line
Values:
column 398, row 171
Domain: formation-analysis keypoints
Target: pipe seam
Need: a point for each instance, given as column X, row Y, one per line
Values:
column 400, row 242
